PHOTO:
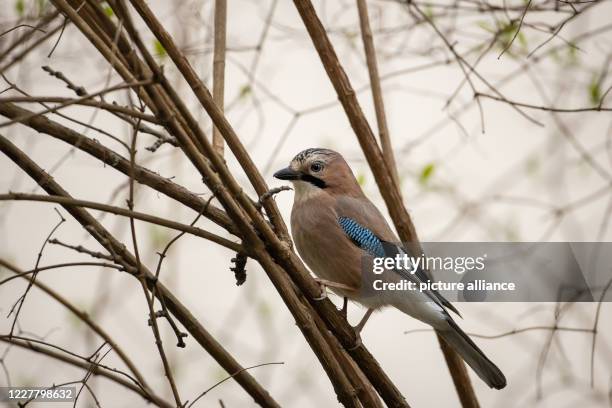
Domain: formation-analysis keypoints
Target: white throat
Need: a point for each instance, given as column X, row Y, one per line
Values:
column 305, row 191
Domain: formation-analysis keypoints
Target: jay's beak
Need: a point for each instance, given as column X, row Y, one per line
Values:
column 287, row 174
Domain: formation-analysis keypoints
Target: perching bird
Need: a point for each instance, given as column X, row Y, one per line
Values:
column 336, row 227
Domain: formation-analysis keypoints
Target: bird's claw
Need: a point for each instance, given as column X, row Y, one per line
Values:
column 323, row 290
column 358, row 341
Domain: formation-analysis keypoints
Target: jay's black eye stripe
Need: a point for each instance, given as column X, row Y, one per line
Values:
column 317, row 182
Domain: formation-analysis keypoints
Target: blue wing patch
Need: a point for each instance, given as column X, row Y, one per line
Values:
column 362, row 237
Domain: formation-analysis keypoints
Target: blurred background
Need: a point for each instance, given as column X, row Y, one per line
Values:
column 498, row 172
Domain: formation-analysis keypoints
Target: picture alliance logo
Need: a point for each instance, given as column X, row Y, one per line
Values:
column 457, row 264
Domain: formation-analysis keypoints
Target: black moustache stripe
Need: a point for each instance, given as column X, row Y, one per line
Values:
column 317, row 182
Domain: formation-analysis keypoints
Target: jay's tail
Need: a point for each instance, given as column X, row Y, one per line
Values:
column 472, row 355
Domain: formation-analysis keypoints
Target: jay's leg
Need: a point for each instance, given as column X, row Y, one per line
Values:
column 344, row 310
column 363, row 321
column 359, row 327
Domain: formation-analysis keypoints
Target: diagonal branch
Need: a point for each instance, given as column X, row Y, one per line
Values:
column 206, row 100
column 71, row 202
column 96, row 369
column 74, row 101
column 193, row 326
column 141, row 386
column 379, row 104
column 109, row 157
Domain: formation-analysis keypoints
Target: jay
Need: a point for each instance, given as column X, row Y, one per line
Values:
column 336, row 228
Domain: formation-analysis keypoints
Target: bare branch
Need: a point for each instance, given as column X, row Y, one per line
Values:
column 379, row 105
column 65, row 201
column 174, row 306
column 219, row 67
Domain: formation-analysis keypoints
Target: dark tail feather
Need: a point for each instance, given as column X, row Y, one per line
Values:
column 473, row 356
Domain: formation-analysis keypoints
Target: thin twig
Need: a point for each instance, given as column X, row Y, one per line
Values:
column 75, row 101
column 108, row 241
column 126, row 213
column 59, row 37
column 21, row 26
column 227, row 378
column 22, row 298
column 141, row 275
column 220, row 25
column 518, row 29
column 377, row 96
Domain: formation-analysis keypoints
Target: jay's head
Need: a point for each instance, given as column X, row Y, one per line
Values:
column 316, row 170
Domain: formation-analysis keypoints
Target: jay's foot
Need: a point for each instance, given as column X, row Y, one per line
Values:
column 324, row 284
column 358, row 341
column 323, row 290
column 344, row 309
column 359, row 328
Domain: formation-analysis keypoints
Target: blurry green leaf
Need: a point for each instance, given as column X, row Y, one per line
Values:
column 264, row 309
column 480, row 47
column 595, row 91
column 159, row 49
column 158, row 236
column 506, row 35
column 350, row 35
column 511, row 231
column 20, row 7
column 429, row 12
column 41, row 4
column 361, row 179
column 555, row 55
column 485, row 26
column 532, row 165
column 522, row 39
column 245, row 91
column 572, row 55
column 426, row 173
column 509, row 29
column 109, row 12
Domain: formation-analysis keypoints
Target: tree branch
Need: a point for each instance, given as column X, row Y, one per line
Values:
column 141, row 385
column 219, row 67
column 65, row 201
column 197, row 331
column 109, row 157
column 377, row 96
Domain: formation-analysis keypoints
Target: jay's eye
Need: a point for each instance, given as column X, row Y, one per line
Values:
column 316, row 167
